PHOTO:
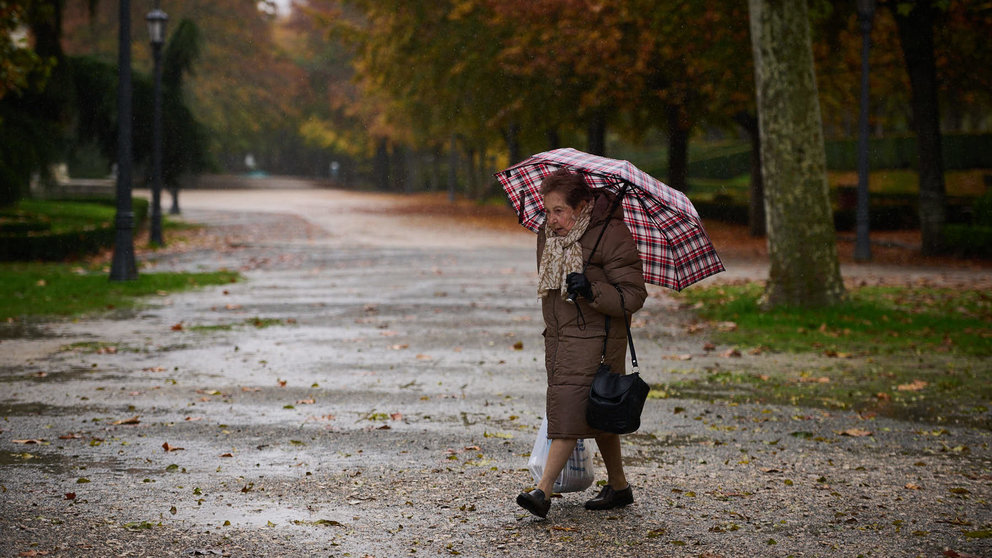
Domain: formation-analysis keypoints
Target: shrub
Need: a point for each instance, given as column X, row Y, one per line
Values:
column 972, row 239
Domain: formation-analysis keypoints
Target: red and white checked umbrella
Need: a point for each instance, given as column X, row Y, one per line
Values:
column 675, row 250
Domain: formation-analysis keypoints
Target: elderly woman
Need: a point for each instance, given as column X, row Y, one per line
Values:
column 612, row 285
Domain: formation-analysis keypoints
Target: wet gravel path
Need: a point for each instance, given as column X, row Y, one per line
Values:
column 373, row 387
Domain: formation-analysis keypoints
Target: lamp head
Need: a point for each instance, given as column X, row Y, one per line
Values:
column 156, row 26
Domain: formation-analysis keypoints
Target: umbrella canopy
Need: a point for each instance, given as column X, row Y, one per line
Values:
column 674, row 248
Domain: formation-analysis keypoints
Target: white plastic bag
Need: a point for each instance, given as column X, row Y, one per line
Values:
column 577, row 474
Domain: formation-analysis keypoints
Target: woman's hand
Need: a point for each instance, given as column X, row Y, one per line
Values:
column 578, row 284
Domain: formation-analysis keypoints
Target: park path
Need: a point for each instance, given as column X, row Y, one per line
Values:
column 372, row 388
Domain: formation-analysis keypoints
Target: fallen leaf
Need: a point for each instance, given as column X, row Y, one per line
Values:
column 820, row 380
column 167, row 447
column 70, row 495
column 682, row 357
column 177, row 327
column 424, row 357
column 915, row 385
column 709, row 347
column 726, row 326
column 193, row 419
column 855, row 432
column 911, row 486
column 400, row 347
column 153, row 369
column 731, row 353
column 132, row 420
column 396, row 416
column 250, row 389
column 305, row 402
column 227, row 455
column 31, row 441
column 70, row 436
column 518, row 346
column 282, row 383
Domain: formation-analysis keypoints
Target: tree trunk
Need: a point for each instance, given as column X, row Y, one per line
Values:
column 380, row 165
column 436, row 154
column 472, row 188
column 452, row 168
column 678, row 147
column 756, row 190
column 802, row 248
column 597, row 134
column 512, row 136
column 916, row 39
column 554, row 140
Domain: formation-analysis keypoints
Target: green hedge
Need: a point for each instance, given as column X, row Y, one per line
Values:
column 973, row 241
column 24, row 240
column 888, row 212
column 960, row 151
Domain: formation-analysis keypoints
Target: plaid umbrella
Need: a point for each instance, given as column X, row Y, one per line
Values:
column 674, row 248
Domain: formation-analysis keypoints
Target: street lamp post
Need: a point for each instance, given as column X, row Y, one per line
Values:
column 156, row 31
column 862, row 244
column 123, row 267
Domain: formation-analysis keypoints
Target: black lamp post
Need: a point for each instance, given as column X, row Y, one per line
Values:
column 156, row 31
column 862, row 244
column 123, row 267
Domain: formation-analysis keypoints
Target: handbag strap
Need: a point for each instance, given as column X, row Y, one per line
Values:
column 630, row 338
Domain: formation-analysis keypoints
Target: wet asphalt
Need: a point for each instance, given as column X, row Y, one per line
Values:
column 373, row 386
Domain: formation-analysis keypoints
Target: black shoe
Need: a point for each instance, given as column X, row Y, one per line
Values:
column 609, row 499
column 535, row 502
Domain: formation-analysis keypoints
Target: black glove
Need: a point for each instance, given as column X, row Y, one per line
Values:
column 578, row 284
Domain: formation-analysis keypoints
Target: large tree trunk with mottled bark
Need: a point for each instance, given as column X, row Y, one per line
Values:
column 916, row 38
column 802, row 247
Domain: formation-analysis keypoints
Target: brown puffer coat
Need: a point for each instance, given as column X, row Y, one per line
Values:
column 573, row 351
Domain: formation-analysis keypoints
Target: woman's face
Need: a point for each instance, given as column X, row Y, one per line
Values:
column 561, row 216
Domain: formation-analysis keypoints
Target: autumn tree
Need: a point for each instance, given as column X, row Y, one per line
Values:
column 243, row 86
column 802, row 249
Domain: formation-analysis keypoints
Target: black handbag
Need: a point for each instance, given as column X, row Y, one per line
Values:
column 616, row 400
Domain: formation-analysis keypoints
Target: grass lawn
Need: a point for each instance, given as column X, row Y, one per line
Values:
column 873, row 320
column 56, row 289
column 906, row 352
